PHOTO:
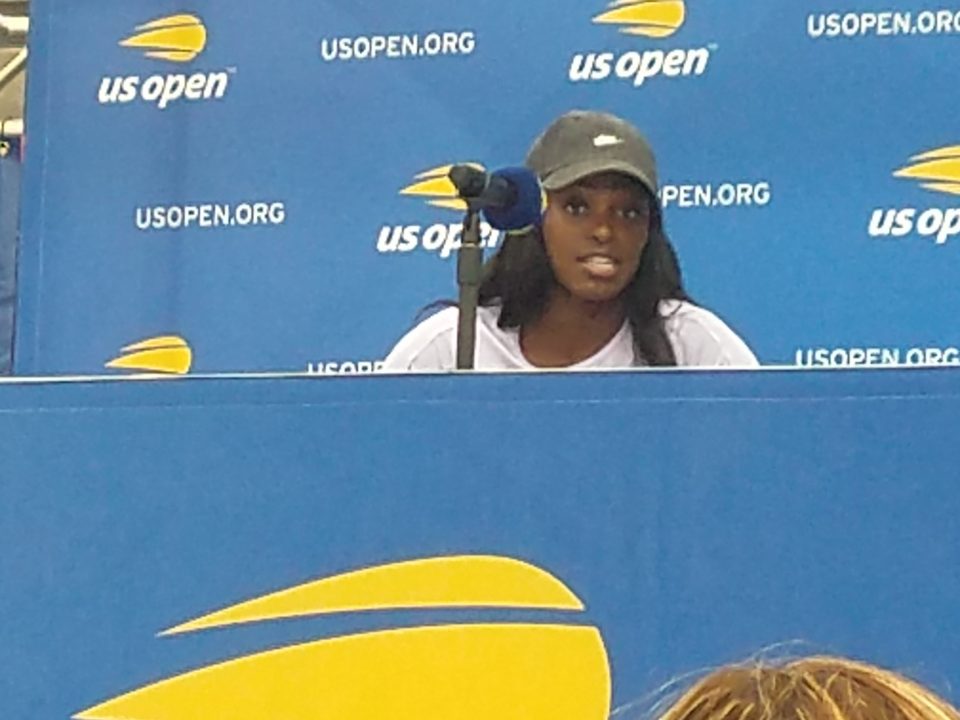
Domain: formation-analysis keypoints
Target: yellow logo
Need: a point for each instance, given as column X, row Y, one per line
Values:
column 471, row 671
column 651, row 18
column 939, row 170
column 177, row 38
column 435, row 187
column 168, row 354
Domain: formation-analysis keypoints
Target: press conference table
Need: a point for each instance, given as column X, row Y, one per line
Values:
column 699, row 516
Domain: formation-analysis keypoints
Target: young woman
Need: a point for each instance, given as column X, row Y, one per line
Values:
column 807, row 688
column 597, row 286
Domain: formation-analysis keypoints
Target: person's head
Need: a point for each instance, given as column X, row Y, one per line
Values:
column 602, row 238
column 812, row 688
column 594, row 233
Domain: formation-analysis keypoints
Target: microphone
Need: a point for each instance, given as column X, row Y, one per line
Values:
column 511, row 199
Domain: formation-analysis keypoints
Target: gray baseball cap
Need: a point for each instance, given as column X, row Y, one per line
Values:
column 583, row 142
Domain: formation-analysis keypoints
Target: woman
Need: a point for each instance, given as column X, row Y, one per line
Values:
column 597, row 286
column 811, row 688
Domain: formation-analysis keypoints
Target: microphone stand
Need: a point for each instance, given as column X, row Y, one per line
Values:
column 469, row 272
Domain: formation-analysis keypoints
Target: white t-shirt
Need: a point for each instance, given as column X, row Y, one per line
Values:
column 698, row 337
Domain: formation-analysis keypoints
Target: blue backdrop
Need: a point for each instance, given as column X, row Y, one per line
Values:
column 243, row 194
column 699, row 516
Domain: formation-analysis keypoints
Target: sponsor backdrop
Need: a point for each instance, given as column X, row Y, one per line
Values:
column 197, row 533
column 223, row 188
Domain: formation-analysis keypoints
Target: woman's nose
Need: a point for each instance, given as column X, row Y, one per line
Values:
column 602, row 231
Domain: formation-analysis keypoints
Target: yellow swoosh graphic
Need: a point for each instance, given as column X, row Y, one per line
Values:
column 178, row 38
column 467, row 672
column 168, row 354
column 458, row 581
column 161, row 341
column 651, row 18
column 435, row 185
column 940, row 168
column 951, row 188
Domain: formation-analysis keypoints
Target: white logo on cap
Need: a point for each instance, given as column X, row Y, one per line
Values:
column 605, row 140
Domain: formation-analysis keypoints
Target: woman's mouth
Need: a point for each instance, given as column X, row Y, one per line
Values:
column 599, row 266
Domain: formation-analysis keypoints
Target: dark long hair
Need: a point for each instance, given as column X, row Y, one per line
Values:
column 519, row 278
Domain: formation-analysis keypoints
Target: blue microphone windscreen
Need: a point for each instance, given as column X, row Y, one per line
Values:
column 527, row 210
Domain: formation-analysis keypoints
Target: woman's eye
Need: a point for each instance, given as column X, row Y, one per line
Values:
column 631, row 213
column 575, row 207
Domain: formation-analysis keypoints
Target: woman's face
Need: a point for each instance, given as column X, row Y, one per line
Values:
column 594, row 232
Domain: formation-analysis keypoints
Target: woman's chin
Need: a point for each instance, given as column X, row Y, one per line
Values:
column 597, row 291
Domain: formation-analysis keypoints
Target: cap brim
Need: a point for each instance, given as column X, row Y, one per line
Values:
column 578, row 171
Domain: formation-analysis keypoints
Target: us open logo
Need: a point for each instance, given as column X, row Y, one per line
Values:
column 176, row 39
column 467, row 670
column 654, row 19
column 433, row 187
column 935, row 170
column 165, row 355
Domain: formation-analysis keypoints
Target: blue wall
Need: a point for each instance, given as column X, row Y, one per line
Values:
column 699, row 516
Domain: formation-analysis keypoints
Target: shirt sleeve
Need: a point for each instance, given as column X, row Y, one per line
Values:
column 700, row 338
column 429, row 347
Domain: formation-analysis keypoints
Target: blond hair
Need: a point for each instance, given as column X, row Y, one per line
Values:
column 813, row 688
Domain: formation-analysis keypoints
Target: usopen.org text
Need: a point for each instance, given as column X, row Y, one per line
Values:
column 371, row 47
column 209, row 215
column 716, row 195
column 886, row 23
